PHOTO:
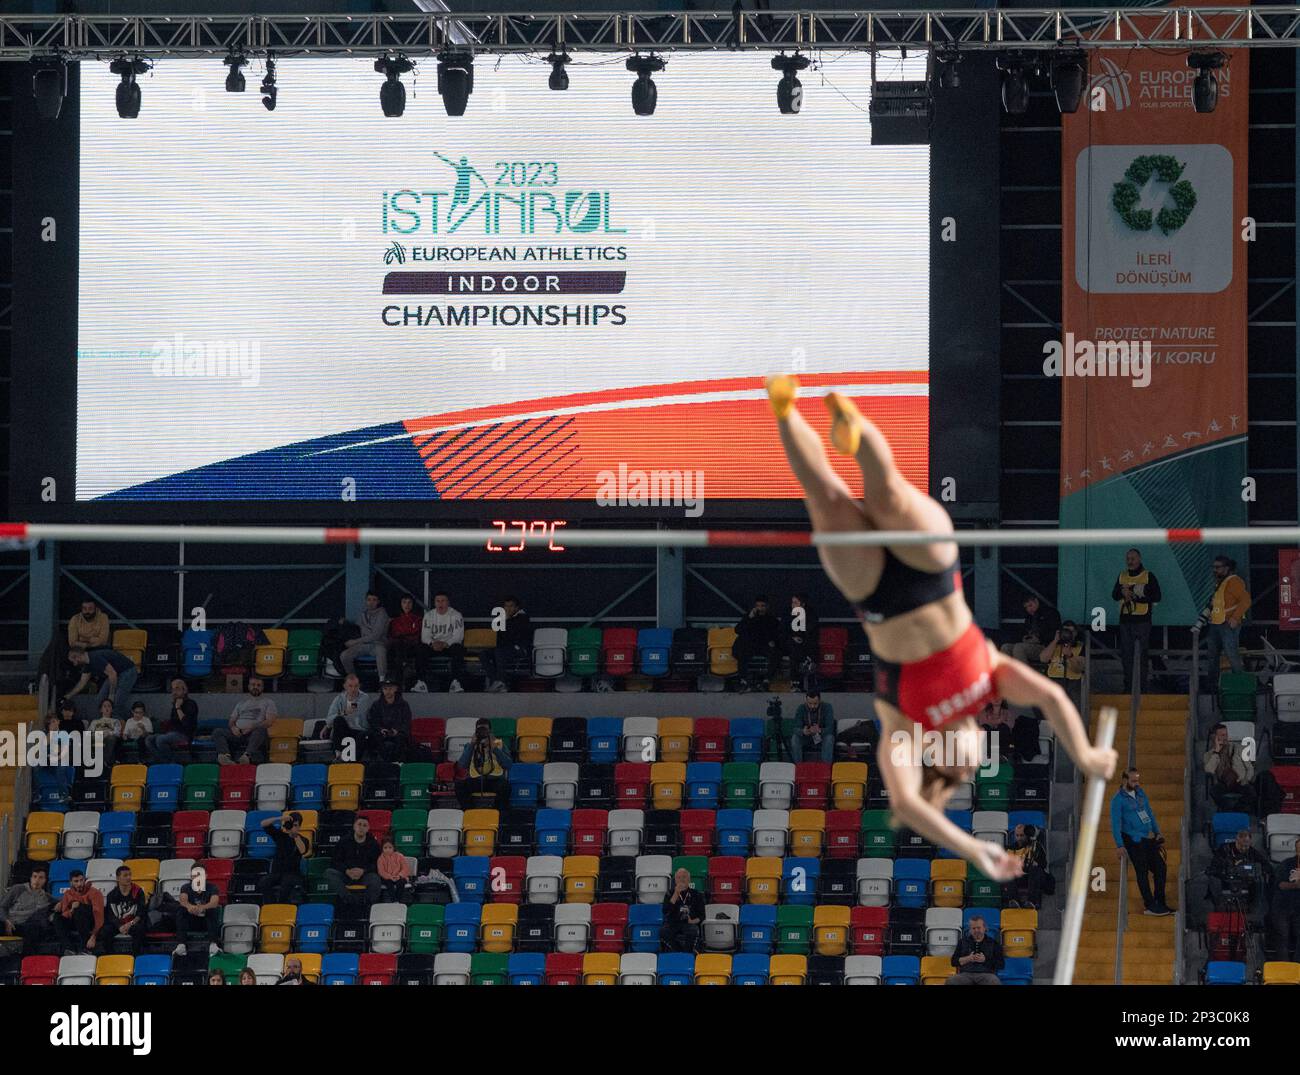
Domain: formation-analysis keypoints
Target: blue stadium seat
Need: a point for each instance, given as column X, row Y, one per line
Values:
column 901, row 970
column 604, row 740
column 60, row 872
column 471, row 874
column 309, row 786
column 963, row 819
column 1225, row 826
column 749, row 968
column 703, row 785
column 47, row 790
column 1017, row 971
column 1028, row 817
column 460, row 927
column 747, row 739
column 152, row 970
column 526, row 968
column 653, row 645
column 676, row 968
column 799, row 877
column 525, row 779
column 644, row 920
column 1221, row 972
column 116, row 829
column 912, row 882
column 757, row 928
column 992, row 918
column 735, row 829
column 163, row 787
column 339, row 968
column 551, row 831
column 196, row 654
column 311, row 929
column 257, row 841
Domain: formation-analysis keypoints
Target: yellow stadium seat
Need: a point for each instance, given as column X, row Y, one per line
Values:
column 479, row 831
column 1019, row 929
column 1281, row 973
column 763, row 880
column 283, row 738
column 848, row 784
column 277, row 921
column 268, row 660
column 476, row 640
column 43, row 831
column 114, row 970
column 310, row 822
column 807, row 833
column 580, row 875
column 532, row 739
column 948, row 882
column 310, row 964
column 131, row 643
column 497, row 926
column 600, row 968
column 712, row 968
column 345, row 785
column 667, row 784
column 831, row 930
column 127, row 789
column 722, row 661
column 935, row 970
column 144, row 872
column 788, row 970
column 675, row 738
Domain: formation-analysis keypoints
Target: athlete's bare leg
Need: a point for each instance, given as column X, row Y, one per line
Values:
column 890, row 500
column 831, row 505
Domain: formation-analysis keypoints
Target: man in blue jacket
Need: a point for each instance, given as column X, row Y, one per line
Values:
column 1137, row 834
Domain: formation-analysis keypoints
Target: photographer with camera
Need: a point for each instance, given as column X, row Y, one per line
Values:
column 1027, row 890
column 1229, row 772
column 814, row 729
column 1237, row 876
column 1063, row 657
column 1138, row 592
column 284, row 882
column 485, row 763
column 1220, row 621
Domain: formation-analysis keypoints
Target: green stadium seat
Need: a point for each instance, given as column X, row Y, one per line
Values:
column 740, row 785
column 584, row 651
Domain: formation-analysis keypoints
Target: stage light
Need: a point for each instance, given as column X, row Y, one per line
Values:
column 559, row 79
column 1205, row 89
column 1016, row 71
column 49, row 87
column 455, row 81
column 1069, row 75
column 392, row 94
column 789, row 91
column 268, row 86
column 645, row 94
column 128, row 90
column 235, row 77
column 948, row 60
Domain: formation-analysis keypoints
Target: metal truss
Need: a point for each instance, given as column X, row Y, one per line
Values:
column 415, row 34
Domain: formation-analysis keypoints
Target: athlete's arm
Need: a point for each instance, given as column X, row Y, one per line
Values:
column 1021, row 685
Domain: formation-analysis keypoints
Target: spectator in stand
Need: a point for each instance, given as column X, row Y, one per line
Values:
column 1230, row 774
column 79, row 915
column 198, row 911
column 1027, row 889
column 443, row 632
column 1064, row 661
column 89, row 629
column 978, row 957
column 404, row 649
column 1222, row 619
column 1137, row 835
column 216, row 976
column 514, row 646
column 245, row 735
column 108, row 732
column 758, row 637
column 373, row 640
column 347, row 720
column 683, row 912
column 178, row 729
column 283, row 882
column 138, row 726
column 801, row 645
column 1138, row 592
column 25, row 909
column 1041, row 624
column 293, row 974
column 1284, row 914
column 814, row 729
column 118, row 670
column 354, row 863
column 247, row 977
column 126, row 913
column 394, row 872
column 1238, row 877
column 389, row 718
column 60, row 757
column 485, row 763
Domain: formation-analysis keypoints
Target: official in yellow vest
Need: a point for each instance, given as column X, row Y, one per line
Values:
column 1138, row 592
column 1228, row 606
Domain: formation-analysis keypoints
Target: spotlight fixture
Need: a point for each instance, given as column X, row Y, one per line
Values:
column 49, row 86
column 789, row 91
column 645, row 95
column 559, row 79
column 1016, row 70
column 455, row 80
column 235, row 77
column 128, row 90
column 948, row 59
column 1069, row 76
column 392, row 94
column 1205, row 89
column 268, row 85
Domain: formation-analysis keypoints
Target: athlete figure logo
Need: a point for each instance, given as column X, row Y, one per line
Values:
column 464, row 170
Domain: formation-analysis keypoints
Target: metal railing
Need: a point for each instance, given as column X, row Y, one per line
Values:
column 1121, row 910
column 1185, row 840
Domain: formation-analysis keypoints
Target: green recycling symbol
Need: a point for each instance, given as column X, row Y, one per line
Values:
column 1127, row 193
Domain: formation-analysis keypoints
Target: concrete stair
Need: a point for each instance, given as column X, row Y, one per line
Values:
column 1161, row 761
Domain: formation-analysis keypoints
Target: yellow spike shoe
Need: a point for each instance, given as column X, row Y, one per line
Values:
column 781, row 393
column 846, row 431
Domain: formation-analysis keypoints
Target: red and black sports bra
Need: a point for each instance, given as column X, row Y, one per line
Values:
column 904, row 589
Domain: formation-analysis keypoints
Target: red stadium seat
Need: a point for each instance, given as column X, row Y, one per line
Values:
column 1288, row 779
column 429, row 732
column 39, row 970
column 1225, row 933
column 588, row 831
column 812, row 784
column 381, row 822
column 564, row 968
column 219, row 872
column 698, row 831
column 376, row 969
column 237, row 786
column 868, row 927
column 618, row 648
column 842, row 832
column 831, row 644
column 632, row 784
column 506, row 878
column 726, row 879
column 608, row 927
column 711, row 737
column 189, row 833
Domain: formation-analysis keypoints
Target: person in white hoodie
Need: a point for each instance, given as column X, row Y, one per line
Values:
column 443, row 631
